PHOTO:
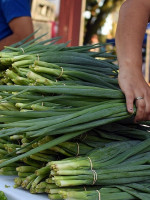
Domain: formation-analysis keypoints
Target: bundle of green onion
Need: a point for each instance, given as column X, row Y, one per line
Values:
column 64, row 128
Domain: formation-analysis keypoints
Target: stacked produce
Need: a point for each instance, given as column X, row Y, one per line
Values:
column 64, row 128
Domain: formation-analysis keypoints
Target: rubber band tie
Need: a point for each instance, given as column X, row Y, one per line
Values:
column 90, row 163
column 38, row 57
column 78, row 147
column 94, row 172
column 62, row 71
column 22, row 50
column 99, row 195
column 95, row 176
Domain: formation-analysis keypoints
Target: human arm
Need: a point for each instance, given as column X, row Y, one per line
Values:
column 133, row 18
column 21, row 27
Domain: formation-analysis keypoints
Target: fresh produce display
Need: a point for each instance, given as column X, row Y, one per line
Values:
column 64, row 128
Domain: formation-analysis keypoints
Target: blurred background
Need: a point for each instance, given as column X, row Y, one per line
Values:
column 83, row 22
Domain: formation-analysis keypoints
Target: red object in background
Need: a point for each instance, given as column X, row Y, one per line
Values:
column 69, row 21
column 54, row 28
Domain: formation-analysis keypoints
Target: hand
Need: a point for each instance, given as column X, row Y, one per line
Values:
column 133, row 85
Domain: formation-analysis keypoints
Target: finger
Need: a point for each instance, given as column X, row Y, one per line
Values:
column 141, row 108
column 147, row 111
column 148, row 118
column 129, row 102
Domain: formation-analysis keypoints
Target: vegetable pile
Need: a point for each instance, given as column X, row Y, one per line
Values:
column 64, row 128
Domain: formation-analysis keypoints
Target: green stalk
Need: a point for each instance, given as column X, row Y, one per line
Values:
column 42, row 157
column 96, row 195
column 49, row 180
column 39, row 190
column 26, row 169
column 73, row 90
column 28, row 179
column 8, row 173
column 43, row 170
column 51, row 71
column 54, row 196
column 31, row 162
column 37, row 180
column 41, row 185
column 46, row 64
column 18, row 181
column 21, row 63
column 24, row 174
column 41, row 148
column 39, row 79
column 16, row 137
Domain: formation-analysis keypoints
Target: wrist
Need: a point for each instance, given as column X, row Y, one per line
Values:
column 131, row 67
column 132, row 74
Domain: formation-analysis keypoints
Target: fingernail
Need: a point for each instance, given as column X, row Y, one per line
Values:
column 130, row 110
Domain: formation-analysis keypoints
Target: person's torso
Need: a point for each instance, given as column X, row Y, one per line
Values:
column 10, row 9
column 4, row 27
